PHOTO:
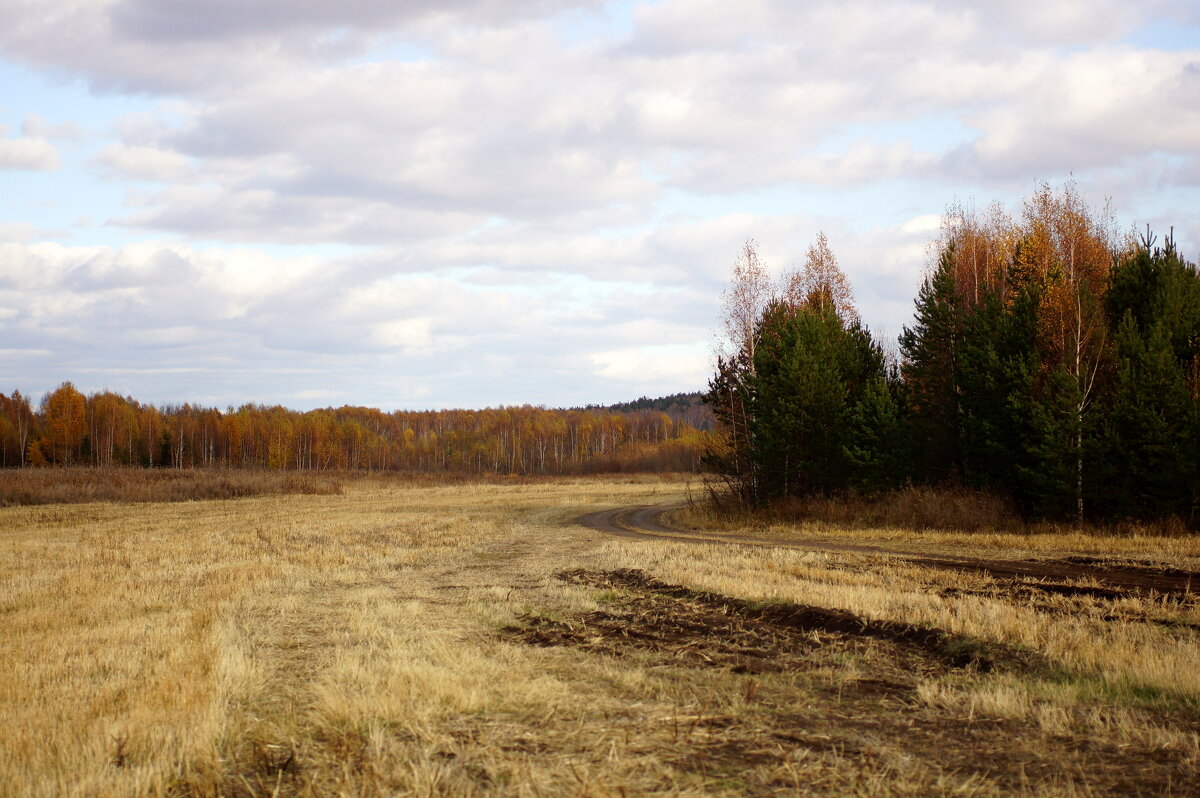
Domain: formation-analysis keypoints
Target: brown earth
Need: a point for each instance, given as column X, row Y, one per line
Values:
column 1046, row 576
column 660, row 625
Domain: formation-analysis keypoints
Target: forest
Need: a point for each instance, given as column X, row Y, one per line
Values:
column 106, row 429
column 1053, row 360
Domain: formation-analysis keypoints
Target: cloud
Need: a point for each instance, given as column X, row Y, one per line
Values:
column 235, row 320
column 531, row 196
column 573, row 326
column 35, row 126
column 195, row 46
column 656, row 368
column 135, row 162
column 223, row 19
column 302, row 126
column 923, row 224
column 25, row 232
column 207, row 212
column 1089, row 110
column 27, row 153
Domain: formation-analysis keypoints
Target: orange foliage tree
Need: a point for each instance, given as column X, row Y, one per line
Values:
column 65, row 413
column 108, row 429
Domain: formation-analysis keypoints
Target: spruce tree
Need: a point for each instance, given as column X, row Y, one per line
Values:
column 1047, row 470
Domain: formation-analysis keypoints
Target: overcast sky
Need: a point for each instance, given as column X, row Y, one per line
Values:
column 462, row 203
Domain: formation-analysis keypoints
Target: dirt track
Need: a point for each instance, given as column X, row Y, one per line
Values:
column 1052, row 575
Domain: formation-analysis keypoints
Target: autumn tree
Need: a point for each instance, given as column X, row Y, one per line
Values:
column 16, row 427
column 982, row 245
column 1070, row 250
column 65, row 416
column 821, row 284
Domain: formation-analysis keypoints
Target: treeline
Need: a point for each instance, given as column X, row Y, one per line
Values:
column 106, row 429
column 1052, row 361
column 687, row 407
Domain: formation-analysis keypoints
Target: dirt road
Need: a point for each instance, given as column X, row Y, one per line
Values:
column 1053, row 576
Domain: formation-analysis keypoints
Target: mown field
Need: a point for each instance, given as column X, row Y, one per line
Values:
column 469, row 639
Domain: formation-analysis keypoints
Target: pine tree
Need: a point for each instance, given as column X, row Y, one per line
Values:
column 1148, row 426
column 874, row 441
column 1047, row 472
column 997, row 367
column 824, row 419
column 930, row 370
column 1152, row 414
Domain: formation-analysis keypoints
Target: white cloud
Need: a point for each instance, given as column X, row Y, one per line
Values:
column 531, row 200
column 195, row 46
column 139, row 162
column 925, row 223
column 1089, row 110
column 404, row 334
column 36, row 127
column 18, row 232
column 656, row 367
column 26, row 152
column 306, row 131
column 223, row 311
column 142, row 313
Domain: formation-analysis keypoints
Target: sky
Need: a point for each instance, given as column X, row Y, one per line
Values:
column 467, row 203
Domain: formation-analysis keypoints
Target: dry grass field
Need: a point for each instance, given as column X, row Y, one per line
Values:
column 468, row 639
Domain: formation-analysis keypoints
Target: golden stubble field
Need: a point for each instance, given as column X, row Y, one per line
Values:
column 470, row 640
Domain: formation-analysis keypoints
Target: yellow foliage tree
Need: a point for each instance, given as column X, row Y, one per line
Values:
column 66, row 423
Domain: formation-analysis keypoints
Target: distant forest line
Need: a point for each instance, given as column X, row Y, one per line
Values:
column 67, row 427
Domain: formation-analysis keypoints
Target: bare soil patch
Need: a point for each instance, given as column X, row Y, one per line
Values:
column 824, row 685
column 669, row 616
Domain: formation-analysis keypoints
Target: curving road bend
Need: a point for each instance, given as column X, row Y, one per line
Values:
column 645, row 522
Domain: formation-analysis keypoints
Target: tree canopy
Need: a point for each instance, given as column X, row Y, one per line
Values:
column 1050, row 360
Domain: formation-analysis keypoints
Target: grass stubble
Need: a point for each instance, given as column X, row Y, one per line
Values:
column 468, row 640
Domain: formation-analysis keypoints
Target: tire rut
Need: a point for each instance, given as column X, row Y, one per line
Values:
column 645, row 522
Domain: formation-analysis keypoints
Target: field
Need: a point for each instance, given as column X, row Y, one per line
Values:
column 470, row 639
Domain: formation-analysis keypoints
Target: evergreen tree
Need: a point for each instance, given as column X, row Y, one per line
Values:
column 875, row 442
column 1149, row 428
column 799, row 401
column 997, row 369
column 821, row 407
column 1047, row 473
column 930, row 370
column 1152, row 424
